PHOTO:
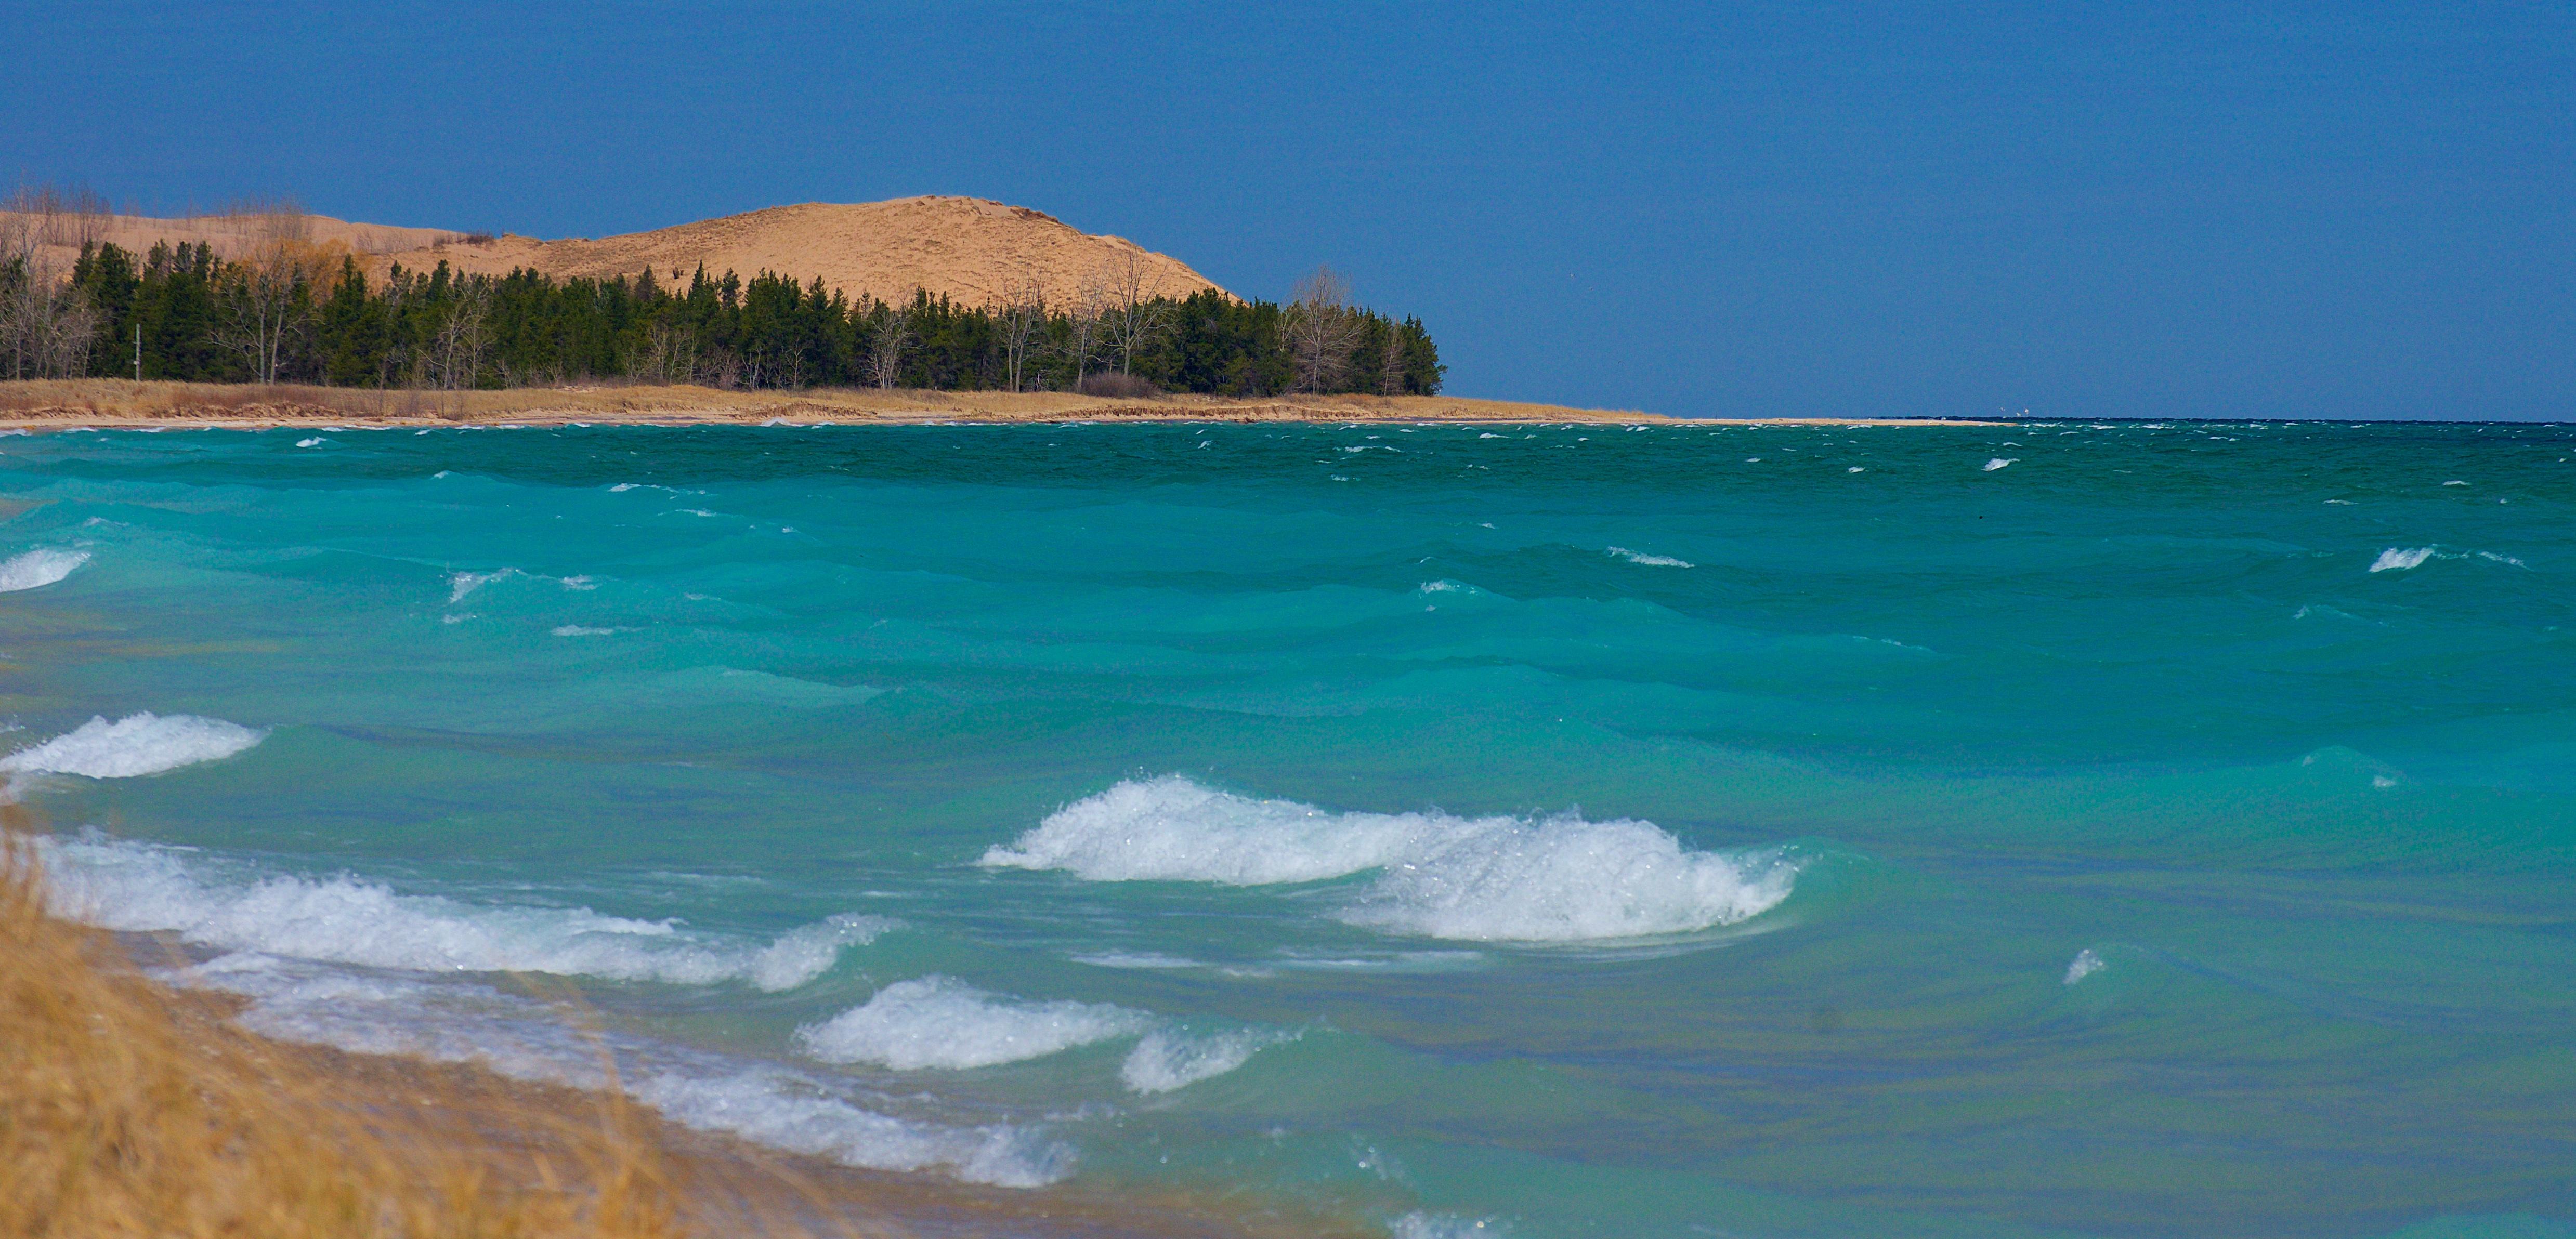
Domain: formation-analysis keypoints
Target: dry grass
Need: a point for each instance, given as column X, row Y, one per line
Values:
column 129, row 1110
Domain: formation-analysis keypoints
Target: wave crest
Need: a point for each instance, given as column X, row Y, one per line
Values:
column 138, row 744
column 941, row 1022
column 38, row 568
column 137, row 888
column 1503, row 879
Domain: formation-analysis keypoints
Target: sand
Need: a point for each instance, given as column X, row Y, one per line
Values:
column 122, row 403
column 972, row 251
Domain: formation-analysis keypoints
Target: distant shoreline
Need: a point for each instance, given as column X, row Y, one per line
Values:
column 123, row 404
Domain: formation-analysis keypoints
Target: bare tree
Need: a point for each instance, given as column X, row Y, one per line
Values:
column 1390, row 364
column 462, row 336
column 1134, row 314
column 669, row 353
column 1321, row 330
column 1091, row 300
column 47, row 324
column 267, row 298
column 885, row 348
column 1023, row 323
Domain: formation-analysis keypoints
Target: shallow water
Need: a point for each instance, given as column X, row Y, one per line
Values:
column 2054, row 829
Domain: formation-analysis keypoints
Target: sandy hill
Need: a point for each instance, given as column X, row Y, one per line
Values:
column 973, row 251
column 232, row 234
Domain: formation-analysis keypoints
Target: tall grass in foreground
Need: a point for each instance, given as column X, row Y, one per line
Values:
column 129, row 1109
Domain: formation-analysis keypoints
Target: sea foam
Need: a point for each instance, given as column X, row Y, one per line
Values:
column 516, row 1037
column 1169, row 1059
column 2399, row 559
column 38, row 568
column 138, row 744
column 1651, row 561
column 139, row 887
column 1503, row 879
column 941, row 1022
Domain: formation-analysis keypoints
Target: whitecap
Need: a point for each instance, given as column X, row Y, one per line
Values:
column 38, row 568
column 939, row 1022
column 137, row 888
column 577, row 630
column 138, row 744
column 2399, row 559
column 308, row 443
column 1651, row 561
column 2000, row 462
column 1136, row 959
column 464, row 583
column 1168, row 1059
column 526, row 1040
column 1500, row 879
column 2085, row 964
column 1423, row 1225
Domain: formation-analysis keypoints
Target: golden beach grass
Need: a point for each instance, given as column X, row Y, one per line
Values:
column 131, row 1110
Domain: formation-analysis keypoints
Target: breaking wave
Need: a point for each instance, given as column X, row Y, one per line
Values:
column 2399, row 559
column 941, row 1022
column 1651, row 561
column 448, row 1022
column 1500, row 879
column 138, row 744
column 139, row 887
column 1168, row 1059
column 38, row 568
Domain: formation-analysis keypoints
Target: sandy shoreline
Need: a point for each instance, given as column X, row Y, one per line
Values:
column 112, row 404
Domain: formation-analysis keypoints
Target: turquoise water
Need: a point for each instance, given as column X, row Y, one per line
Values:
column 1537, row 831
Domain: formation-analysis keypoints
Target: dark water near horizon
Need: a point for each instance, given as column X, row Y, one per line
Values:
column 1541, row 831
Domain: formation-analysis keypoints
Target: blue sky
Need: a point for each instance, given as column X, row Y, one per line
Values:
column 1760, row 209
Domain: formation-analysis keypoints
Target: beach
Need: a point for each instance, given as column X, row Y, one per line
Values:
column 120, row 403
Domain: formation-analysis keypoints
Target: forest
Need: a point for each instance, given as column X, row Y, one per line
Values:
column 289, row 311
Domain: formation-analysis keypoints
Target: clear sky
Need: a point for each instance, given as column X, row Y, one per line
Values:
column 2167, row 209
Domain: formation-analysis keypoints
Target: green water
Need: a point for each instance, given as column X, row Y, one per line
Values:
column 1853, row 841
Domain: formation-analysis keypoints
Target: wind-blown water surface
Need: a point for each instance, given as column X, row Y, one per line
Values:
column 2114, row 830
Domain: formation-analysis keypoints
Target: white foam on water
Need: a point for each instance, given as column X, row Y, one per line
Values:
column 2086, row 963
column 2493, row 558
column 576, row 630
column 139, row 887
column 1651, row 561
column 2001, row 462
column 1490, row 879
column 1136, row 959
column 464, row 583
column 138, row 744
column 941, row 1023
column 308, row 443
column 2399, row 559
column 38, row 568
column 1170, row 1059
column 515, row 1037
column 2454, row 483
column 1422, row 1225
column 1855, row 469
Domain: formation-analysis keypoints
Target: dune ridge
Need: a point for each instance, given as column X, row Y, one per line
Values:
column 973, row 251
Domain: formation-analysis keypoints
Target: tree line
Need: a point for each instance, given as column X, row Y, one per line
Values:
column 291, row 311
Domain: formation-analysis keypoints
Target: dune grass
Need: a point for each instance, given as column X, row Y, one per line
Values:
column 131, row 1109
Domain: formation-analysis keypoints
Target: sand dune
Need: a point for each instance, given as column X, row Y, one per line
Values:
column 973, row 251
